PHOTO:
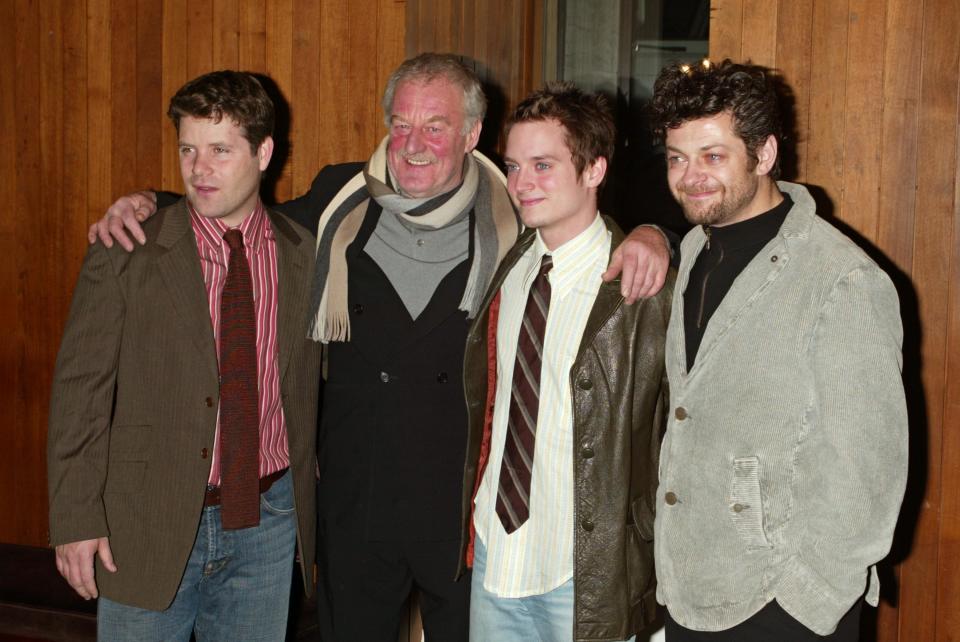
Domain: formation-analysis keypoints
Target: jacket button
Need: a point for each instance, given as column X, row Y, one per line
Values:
column 442, row 377
column 384, row 377
column 680, row 413
column 587, row 452
column 358, row 308
column 587, row 525
column 203, row 453
column 585, row 384
column 670, row 498
column 209, row 402
column 737, row 508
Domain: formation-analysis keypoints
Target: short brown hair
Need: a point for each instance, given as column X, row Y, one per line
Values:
column 586, row 118
column 235, row 94
column 685, row 92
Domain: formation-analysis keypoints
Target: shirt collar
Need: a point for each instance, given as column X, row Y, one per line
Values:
column 254, row 228
column 757, row 230
column 584, row 256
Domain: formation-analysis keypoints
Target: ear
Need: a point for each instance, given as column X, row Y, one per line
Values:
column 595, row 171
column 473, row 137
column 766, row 156
column 265, row 152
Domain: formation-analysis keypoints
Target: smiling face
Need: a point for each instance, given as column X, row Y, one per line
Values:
column 427, row 140
column 220, row 174
column 712, row 176
column 544, row 183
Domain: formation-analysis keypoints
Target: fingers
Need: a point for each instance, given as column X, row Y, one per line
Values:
column 632, row 270
column 616, row 264
column 648, row 285
column 646, row 259
column 112, row 228
column 75, row 563
column 123, row 219
column 105, row 554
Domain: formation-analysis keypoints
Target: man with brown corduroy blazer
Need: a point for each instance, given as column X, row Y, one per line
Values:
column 141, row 450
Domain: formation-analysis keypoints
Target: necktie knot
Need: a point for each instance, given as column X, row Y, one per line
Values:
column 546, row 264
column 234, row 239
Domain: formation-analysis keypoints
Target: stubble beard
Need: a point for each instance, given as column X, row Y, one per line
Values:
column 734, row 199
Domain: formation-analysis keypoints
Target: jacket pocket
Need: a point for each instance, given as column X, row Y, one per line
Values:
column 639, row 566
column 746, row 505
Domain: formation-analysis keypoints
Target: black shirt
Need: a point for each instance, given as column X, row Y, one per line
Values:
column 727, row 251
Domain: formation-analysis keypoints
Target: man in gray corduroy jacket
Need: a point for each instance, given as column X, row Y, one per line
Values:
column 785, row 458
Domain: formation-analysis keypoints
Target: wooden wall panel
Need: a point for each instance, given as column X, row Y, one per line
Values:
column 11, row 322
column 501, row 38
column 84, row 86
column 759, row 20
column 877, row 89
column 795, row 33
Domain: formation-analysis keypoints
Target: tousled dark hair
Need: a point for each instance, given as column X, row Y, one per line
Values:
column 586, row 118
column 235, row 94
column 685, row 92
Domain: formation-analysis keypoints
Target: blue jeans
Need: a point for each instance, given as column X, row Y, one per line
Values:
column 547, row 617
column 236, row 585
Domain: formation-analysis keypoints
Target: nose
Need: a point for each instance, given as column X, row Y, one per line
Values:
column 201, row 166
column 413, row 143
column 693, row 173
column 522, row 179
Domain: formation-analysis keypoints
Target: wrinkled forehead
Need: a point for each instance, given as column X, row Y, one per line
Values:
column 700, row 133
column 436, row 93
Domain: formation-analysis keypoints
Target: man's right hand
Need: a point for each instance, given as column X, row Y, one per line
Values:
column 124, row 215
column 75, row 563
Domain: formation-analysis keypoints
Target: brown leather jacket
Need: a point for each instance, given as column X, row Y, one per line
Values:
column 619, row 393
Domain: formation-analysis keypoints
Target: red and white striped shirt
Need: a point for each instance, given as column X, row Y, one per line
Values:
column 261, row 250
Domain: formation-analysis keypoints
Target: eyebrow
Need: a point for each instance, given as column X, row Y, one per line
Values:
column 703, row 148
column 433, row 119
column 533, row 158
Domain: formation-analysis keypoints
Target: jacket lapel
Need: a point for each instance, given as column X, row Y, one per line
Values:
column 292, row 290
column 747, row 290
column 179, row 267
column 607, row 301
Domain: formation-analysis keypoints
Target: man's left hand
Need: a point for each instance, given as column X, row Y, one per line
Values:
column 643, row 257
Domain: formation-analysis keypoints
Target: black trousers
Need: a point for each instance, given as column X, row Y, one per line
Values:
column 363, row 587
column 770, row 624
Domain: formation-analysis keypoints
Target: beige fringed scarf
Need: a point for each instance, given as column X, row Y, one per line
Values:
column 494, row 231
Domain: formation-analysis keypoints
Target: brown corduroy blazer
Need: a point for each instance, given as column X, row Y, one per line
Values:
column 134, row 404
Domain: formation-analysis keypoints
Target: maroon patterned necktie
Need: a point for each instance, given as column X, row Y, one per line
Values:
column 516, row 469
column 239, row 403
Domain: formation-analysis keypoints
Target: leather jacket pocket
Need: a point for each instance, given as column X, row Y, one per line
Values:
column 639, row 566
column 746, row 505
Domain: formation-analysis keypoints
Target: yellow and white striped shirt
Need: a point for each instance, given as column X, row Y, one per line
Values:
column 538, row 556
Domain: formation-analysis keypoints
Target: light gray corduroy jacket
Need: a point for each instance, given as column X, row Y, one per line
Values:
column 785, row 458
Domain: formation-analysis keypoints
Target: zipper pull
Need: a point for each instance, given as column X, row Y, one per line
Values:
column 706, row 230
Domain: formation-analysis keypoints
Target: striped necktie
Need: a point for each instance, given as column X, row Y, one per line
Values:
column 516, row 469
column 239, row 402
